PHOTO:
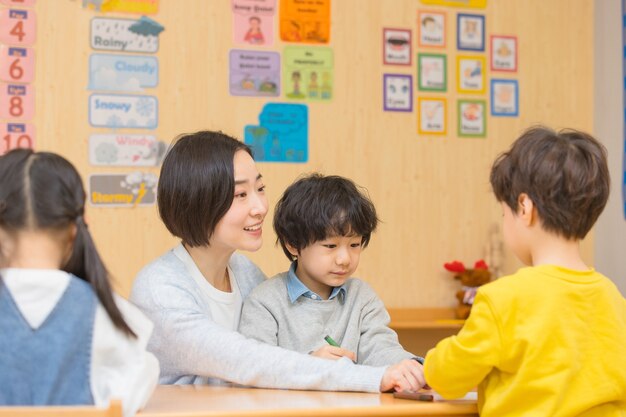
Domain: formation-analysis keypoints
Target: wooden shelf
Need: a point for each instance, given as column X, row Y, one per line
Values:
column 423, row 318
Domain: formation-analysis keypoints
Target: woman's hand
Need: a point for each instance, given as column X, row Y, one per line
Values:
column 334, row 353
column 407, row 375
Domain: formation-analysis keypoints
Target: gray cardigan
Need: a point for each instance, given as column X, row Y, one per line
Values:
column 193, row 349
column 357, row 320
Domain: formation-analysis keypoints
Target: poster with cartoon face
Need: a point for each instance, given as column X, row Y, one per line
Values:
column 470, row 74
column 504, row 53
column 470, row 32
column 253, row 22
column 431, row 115
column 432, row 29
column 472, row 120
column 397, row 46
column 504, row 98
column 398, row 92
column 432, row 70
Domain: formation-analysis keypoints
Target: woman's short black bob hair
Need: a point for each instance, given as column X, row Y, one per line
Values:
column 197, row 184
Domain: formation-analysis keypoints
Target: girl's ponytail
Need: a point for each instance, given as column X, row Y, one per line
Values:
column 85, row 263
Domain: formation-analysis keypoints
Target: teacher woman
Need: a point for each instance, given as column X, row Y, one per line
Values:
column 211, row 196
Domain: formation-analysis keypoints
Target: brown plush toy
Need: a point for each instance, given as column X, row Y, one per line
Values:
column 471, row 279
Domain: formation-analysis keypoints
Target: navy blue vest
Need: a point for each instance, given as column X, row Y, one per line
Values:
column 49, row 365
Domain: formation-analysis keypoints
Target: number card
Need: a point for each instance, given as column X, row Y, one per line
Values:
column 20, row 3
column 17, row 27
column 17, row 101
column 16, row 135
column 17, row 64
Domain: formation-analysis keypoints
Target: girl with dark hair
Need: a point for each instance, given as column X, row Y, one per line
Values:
column 212, row 197
column 66, row 339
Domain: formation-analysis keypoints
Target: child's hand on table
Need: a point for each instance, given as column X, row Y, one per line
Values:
column 407, row 375
column 334, row 352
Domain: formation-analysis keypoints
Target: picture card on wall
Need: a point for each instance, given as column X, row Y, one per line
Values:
column 123, row 111
column 125, row 150
column 254, row 73
column 123, row 6
column 504, row 97
column 432, row 72
column 470, row 32
column 503, row 53
column 253, row 22
column 16, row 135
column 472, row 118
column 432, row 28
column 282, row 134
column 308, row 73
column 396, row 46
column 305, row 21
column 128, row 35
column 471, row 74
column 397, row 92
column 123, row 72
column 431, row 115
column 123, row 190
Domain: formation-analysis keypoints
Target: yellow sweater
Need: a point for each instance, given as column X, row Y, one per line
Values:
column 546, row 341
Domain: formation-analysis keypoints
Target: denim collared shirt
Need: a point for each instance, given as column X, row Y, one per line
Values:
column 296, row 289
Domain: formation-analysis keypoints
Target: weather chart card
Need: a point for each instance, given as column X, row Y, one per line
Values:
column 253, row 22
column 122, row 72
column 398, row 92
column 117, row 111
column 123, row 6
column 125, row 150
column 472, row 118
column 125, row 34
column 254, row 73
column 306, row 21
column 397, row 46
column 282, row 134
column 123, row 190
column 308, row 73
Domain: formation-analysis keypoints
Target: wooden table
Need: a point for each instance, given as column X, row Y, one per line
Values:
column 205, row 401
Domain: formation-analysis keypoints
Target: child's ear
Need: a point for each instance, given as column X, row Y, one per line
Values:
column 526, row 209
column 293, row 251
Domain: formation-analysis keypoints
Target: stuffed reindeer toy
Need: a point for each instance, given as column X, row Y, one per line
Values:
column 471, row 279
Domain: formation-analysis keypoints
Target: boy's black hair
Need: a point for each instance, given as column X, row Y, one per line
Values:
column 564, row 173
column 316, row 207
column 197, row 184
column 43, row 191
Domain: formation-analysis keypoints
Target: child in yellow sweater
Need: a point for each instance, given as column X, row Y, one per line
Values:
column 549, row 340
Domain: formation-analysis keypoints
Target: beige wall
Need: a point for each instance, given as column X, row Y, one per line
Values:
column 432, row 193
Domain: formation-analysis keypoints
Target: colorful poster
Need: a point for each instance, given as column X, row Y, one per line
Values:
column 431, row 115
column 504, row 53
column 117, row 111
column 432, row 70
column 472, row 118
column 17, row 65
column 122, row 72
column 397, row 92
column 17, row 101
column 476, row 4
column 18, row 27
column 125, row 150
column 471, row 74
column 125, row 34
column 397, row 46
column 504, row 98
column 254, row 73
column 253, row 22
column 122, row 190
column 305, row 21
column 470, row 32
column 308, row 73
column 432, row 29
column 16, row 135
column 123, row 6
column 282, row 134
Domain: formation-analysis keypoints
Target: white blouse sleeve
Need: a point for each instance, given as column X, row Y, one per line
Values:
column 121, row 366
